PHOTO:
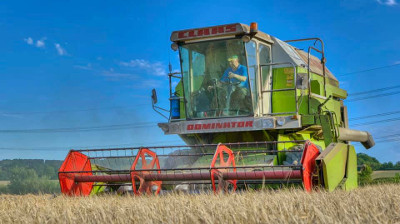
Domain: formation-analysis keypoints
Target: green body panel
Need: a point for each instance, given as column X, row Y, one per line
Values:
column 283, row 101
column 336, row 91
column 333, row 163
column 288, row 145
column 317, row 84
column 307, row 120
column 318, row 97
column 325, row 122
column 97, row 189
column 351, row 170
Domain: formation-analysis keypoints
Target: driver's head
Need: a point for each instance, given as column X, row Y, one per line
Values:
column 234, row 62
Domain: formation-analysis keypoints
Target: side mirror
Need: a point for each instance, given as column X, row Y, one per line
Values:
column 154, row 96
column 154, row 101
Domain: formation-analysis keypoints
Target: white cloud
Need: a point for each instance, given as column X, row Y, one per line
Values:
column 60, row 50
column 387, row 2
column 84, row 67
column 140, row 82
column 29, row 40
column 153, row 68
column 117, row 76
column 40, row 43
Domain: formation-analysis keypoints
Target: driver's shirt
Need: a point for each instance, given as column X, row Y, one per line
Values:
column 241, row 70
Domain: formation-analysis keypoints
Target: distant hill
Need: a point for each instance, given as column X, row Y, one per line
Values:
column 48, row 168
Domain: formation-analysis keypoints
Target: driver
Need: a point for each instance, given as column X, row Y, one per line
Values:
column 236, row 75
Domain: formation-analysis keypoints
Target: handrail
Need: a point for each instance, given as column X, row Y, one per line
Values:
column 309, row 75
column 284, row 89
column 323, row 60
column 323, row 67
column 311, row 38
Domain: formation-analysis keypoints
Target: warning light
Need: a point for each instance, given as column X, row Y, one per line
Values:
column 253, row 27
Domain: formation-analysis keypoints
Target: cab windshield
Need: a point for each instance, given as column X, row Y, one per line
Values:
column 215, row 79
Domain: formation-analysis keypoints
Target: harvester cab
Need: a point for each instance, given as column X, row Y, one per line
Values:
column 252, row 109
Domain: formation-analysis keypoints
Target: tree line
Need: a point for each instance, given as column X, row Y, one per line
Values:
column 364, row 159
column 43, row 168
column 29, row 176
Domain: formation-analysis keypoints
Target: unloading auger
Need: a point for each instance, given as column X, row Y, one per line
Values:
column 252, row 109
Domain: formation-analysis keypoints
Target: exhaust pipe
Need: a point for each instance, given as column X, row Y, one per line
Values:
column 364, row 137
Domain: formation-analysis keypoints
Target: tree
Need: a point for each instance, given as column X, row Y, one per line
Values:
column 365, row 175
column 363, row 158
column 42, row 168
column 24, row 181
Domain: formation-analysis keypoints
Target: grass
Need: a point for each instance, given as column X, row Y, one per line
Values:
column 384, row 173
column 370, row 204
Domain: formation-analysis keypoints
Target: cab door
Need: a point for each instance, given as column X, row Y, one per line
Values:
column 265, row 86
column 252, row 65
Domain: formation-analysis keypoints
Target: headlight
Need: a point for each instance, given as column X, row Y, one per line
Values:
column 281, row 121
column 174, row 128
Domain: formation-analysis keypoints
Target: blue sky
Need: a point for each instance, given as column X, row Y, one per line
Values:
column 68, row 64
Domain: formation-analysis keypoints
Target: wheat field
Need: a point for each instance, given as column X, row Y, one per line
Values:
column 371, row 204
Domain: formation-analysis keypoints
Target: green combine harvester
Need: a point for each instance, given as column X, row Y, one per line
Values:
column 252, row 109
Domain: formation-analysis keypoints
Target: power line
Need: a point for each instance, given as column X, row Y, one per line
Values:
column 374, row 115
column 373, row 96
column 388, row 136
column 388, row 141
column 380, row 121
column 83, row 129
column 373, row 90
column 370, row 69
column 147, row 144
column 68, row 111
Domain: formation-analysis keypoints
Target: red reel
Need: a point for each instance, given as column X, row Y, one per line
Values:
column 230, row 162
column 73, row 165
column 137, row 175
column 310, row 153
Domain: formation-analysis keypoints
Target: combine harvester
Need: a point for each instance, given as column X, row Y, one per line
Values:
column 252, row 109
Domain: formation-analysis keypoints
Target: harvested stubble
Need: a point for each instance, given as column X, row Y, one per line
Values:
column 372, row 204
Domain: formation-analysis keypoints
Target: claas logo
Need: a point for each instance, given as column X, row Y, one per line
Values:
column 203, row 32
